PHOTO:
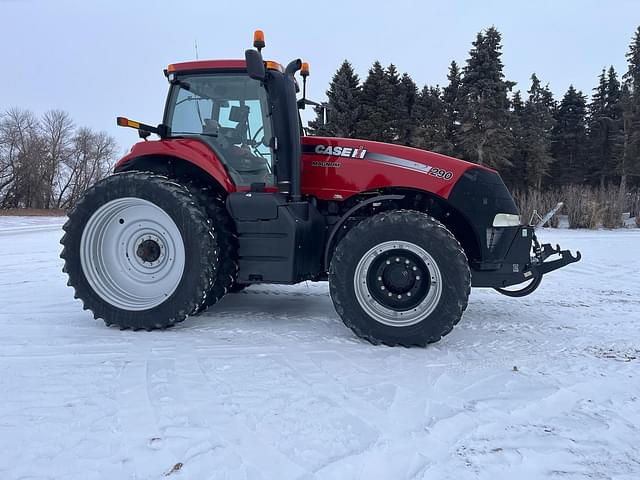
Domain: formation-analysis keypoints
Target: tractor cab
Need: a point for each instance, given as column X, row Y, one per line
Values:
column 246, row 112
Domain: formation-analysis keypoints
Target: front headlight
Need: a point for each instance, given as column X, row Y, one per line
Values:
column 506, row 220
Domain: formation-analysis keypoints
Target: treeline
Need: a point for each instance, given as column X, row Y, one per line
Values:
column 533, row 139
column 48, row 162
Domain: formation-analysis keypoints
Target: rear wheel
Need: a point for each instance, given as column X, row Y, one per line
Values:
column 227, row 271
column 400, row 278
column 139, row 251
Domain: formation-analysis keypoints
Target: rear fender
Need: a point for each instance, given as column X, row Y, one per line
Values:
column 176, row 155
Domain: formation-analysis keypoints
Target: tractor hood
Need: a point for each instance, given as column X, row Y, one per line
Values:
column 336, row 168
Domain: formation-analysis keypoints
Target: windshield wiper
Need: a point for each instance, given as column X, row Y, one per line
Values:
column 190, row 99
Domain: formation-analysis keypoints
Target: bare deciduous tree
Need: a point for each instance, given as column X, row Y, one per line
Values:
column 91, row 157
column 47, row 163
column 57, row 133
column 20, row 147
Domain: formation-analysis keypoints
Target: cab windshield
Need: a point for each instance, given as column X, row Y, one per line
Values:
column 229, row 112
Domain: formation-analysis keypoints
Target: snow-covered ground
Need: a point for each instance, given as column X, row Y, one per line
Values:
column 270, row 385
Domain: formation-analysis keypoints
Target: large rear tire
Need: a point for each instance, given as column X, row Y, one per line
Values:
column 400, row 278
column 140, row 251
column 227, row 271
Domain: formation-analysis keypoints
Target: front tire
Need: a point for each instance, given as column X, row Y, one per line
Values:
column 139, row 251
column 400, row 278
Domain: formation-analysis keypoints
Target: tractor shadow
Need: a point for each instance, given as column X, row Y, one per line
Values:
column 275, row 309
column 308, row 312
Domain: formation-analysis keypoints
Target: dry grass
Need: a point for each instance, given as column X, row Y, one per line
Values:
column 30, row 212
column 586, row 207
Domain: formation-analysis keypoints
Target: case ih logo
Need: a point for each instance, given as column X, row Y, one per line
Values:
column 338, row 151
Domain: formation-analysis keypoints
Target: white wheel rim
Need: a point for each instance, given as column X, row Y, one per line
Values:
column 388, row 316
column 132, row 254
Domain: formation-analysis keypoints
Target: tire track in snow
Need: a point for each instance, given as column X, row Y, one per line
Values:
column 183, row 436
column 30, row 229
column 279, row 405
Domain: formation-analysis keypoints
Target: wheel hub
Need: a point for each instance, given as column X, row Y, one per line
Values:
column 398, row 278
column 150, row 250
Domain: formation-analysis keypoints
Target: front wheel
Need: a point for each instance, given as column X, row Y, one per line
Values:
column 140, row 252
column 400, row 278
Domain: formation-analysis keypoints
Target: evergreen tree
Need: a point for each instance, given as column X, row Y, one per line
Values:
column 513, row 175
column 537, row 122
column 343, row 108
column 378, row 107
column 405, row 122
column 631, row 106
column 431, row 129
column 486, row 137
column 606, row 138
column 393, row 77
column 568, row 145
column 452, row 100
column 517, row 104
column 614, row 93
column 599, row 98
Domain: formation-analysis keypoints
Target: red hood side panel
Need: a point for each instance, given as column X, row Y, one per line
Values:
column 333, row 168
column 192, row 151
column 337, row 168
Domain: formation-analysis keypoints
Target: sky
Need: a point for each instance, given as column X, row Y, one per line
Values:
column 102, row 59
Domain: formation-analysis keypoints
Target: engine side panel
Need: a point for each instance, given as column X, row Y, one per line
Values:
column 337, row 168
column 279, row 241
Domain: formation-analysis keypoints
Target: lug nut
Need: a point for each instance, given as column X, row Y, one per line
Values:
column 414, row 268
column 379, row 279
column 399, row 297
column 397, row 259
column 417, row 277
column 388, row 262
column 382, row 287
column 408, row 294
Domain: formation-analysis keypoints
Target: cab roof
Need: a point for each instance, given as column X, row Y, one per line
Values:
column 216, row 65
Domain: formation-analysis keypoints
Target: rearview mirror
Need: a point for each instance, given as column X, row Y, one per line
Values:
column 255, row 65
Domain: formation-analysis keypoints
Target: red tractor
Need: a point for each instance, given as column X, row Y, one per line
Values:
column 234, row 193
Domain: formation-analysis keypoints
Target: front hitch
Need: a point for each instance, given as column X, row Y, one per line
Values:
column 545, row 251
column 540, row 267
